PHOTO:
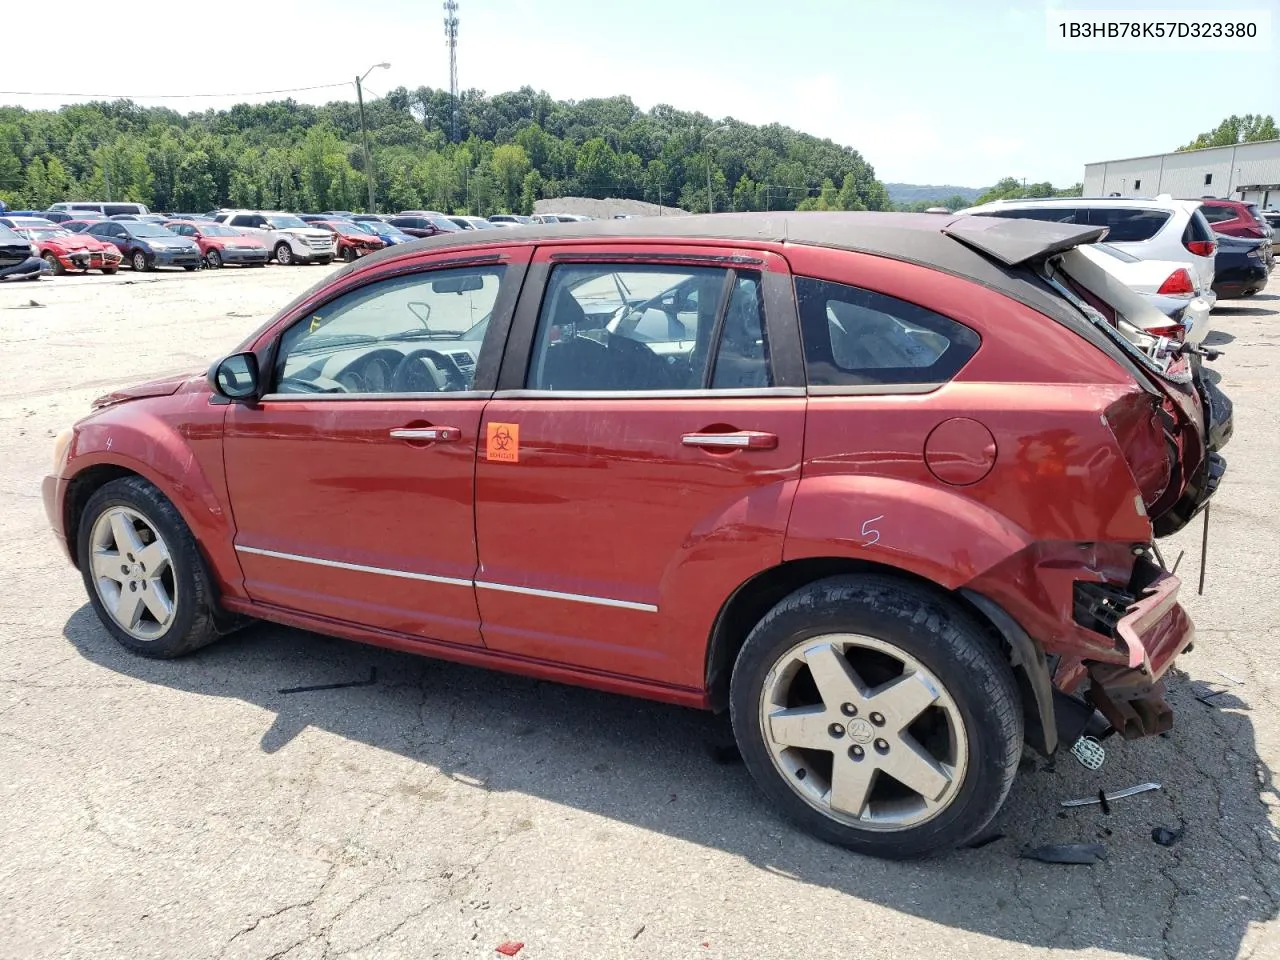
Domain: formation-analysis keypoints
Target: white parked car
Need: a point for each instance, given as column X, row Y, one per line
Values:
column 1151, row 229
column 290, row 239
column 1166, row 284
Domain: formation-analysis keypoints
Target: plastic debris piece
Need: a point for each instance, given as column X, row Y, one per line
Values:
column 1082, row 853
column 373, row 678
column 510, row 948
column 1089, row 752
column 1102, row 801
column 1112, row 795
column 1167, row 837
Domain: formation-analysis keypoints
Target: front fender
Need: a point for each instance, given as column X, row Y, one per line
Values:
column 934, row 533
column 185, row 464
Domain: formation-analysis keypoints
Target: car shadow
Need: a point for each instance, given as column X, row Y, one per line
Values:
column 1218, row 338
column 1229, row 311
column 666, row 769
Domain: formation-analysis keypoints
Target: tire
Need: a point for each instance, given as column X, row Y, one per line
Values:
column 349, row 255
column 182, row 575
column 141, row 262
column 110, row 271
column 57, row 268
column 284, row 254
column 970, row 732
column 213, row 259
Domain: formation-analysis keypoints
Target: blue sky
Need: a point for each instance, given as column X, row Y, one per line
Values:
column 929, row 92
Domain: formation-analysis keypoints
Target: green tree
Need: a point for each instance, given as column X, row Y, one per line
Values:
column 1235, row 129
column 530, row 191
column 510, row 166
column 597, row 168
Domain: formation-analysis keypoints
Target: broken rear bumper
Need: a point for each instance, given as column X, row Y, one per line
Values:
column 1155, row 630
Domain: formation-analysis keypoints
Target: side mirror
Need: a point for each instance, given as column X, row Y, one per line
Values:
column 235, row 377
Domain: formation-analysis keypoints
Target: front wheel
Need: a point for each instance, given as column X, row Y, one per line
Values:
column 349, row 255
column 284, row 254
column 55, row 267
column 878, row 716
column 143, row 571
column 213, row 260
column 140, row 261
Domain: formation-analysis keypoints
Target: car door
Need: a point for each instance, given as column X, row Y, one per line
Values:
column 352, row 481
column 112, row 233
column 638, row 461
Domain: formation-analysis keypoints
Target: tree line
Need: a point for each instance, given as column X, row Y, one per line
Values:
column 512, row 149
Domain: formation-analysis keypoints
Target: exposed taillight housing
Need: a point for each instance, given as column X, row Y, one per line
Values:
column 1202, row 248
column 1174, row 331
column 1178, row 284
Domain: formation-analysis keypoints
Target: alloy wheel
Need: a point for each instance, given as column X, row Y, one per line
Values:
column 213, row 259
column 863, row 732
column 284, row 254
column 133, row 573
column 139, row 261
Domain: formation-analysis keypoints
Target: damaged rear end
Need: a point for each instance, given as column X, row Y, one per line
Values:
column 1103, row 608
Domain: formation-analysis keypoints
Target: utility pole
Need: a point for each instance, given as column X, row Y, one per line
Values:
column 364, row 132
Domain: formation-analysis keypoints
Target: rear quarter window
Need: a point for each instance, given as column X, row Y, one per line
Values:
column 858, row 338
column 1127, row 225
column 1218, row 214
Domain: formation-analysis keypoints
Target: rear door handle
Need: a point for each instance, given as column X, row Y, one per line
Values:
column 439, row 434
column 740, row 439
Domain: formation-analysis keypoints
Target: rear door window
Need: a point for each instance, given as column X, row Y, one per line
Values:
column 627, row 328
column 1128, row 225
column 1218, row 214
column 858, row 338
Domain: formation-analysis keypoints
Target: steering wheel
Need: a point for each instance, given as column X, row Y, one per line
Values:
column 445, row 374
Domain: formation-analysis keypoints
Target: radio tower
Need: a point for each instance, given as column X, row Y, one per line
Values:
column 451, row 38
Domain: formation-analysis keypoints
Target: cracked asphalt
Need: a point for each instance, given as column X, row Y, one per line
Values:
column 189, row 810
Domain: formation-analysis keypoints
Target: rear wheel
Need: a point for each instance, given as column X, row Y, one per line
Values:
column 54, row 266
column 284, row 254
column 143, row 571
column 878, row 716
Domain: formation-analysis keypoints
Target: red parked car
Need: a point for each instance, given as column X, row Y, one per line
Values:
column 352, row 242
column 64, row 250
column 1235, row 218
column 220, row 245
column 881, row 485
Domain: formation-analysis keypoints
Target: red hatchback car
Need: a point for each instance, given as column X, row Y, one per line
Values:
column 1235, row 218
column 881, row 485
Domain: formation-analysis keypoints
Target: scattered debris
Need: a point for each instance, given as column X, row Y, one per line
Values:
column 1089, row 752
column 639, row 930
column 986, row 841
column 510, row 948
column 373, row 678
column 1207, row 698
column 1083, row 853
column 1229, row 677
column 1102, row 800
column 1167, row 837
column 1105, row 797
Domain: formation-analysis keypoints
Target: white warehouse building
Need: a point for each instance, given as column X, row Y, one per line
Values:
column 1246, row 171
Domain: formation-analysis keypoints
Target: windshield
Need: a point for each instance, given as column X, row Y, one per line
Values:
column 384, row 229
column 44, row 233
column 216, row 230
column 7, row 234
column 440, row 223
column 139, row 229
column 285, row 222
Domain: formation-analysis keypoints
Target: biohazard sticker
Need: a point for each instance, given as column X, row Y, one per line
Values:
column 503, row 443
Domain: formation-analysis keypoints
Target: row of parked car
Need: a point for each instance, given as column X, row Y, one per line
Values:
column 79, row 237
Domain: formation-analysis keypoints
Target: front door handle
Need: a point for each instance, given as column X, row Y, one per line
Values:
column 439, row 434
column 739, row 439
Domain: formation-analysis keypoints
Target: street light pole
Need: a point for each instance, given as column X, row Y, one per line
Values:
column 364, row 131
column 711, row 200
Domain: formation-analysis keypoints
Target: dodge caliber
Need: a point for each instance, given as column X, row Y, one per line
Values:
column 884, row 487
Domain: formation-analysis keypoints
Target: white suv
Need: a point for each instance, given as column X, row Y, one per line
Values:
column 290, row 239
column 1159, row 229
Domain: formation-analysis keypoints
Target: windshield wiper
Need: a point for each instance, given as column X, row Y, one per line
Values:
column 426, row 335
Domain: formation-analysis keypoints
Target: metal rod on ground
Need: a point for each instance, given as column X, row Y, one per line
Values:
column 1204, row 547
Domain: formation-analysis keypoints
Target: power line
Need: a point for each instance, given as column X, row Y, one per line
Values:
column 169, row 96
